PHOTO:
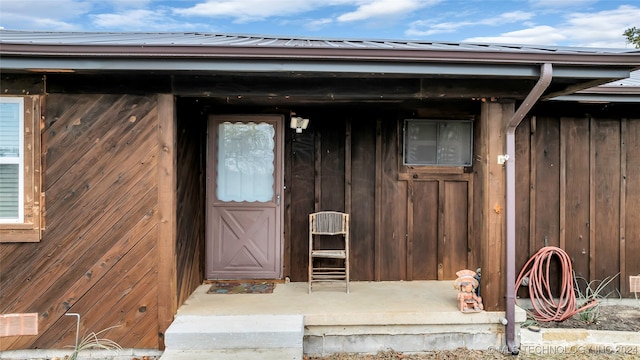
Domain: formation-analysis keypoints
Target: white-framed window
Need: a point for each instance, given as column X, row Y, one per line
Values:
column 11, row 160
column 21, row 195
column 437, row 142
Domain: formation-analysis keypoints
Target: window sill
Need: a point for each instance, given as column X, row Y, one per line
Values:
column 16, row 233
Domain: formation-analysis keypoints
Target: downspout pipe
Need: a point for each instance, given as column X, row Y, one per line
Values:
column 546, row 74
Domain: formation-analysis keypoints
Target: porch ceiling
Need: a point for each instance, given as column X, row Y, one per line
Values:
column 274, row 89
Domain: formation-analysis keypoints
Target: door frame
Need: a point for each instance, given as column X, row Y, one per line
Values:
column 278, row 196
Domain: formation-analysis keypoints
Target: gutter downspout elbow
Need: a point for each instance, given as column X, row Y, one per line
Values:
column 546, row 74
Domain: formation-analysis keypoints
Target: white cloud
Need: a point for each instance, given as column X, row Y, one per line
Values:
column 39, row 14
column 131, row 19
column 317, row 24
column 600, row 29
column 427, row 28
column 146, row 20
column 508, row 17
column 246, row 10
column 533, row 36
column 557, row 4
column 126, row 4
column 243, row 11
column 384, row 8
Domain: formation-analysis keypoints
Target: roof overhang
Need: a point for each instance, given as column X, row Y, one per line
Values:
column 603, row 95
column 347, row 68
column 574, row 69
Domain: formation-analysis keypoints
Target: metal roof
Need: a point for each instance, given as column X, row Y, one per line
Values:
column 633, row 81
column 232, row 40
column 208, row 45
column 622, row 91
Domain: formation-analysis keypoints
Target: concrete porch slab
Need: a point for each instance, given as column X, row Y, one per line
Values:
column 409, row 316
column 372, row 303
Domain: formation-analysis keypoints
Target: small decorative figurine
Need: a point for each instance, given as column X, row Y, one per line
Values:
column 466, row 284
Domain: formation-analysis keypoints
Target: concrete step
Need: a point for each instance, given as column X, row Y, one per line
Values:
column 234, row 337
column 233, row 354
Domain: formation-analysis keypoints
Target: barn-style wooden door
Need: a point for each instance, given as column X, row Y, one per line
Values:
column 440, row 227
column 244, row 180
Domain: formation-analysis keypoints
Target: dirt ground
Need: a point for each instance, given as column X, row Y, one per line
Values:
column 610, row 317
column 465, row 354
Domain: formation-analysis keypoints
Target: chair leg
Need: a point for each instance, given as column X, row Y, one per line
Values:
column 310, row 274
column 346, row 272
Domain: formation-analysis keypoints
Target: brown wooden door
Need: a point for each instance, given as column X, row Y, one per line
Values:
column 453, row 237
column 440, row 227
column 244, row 179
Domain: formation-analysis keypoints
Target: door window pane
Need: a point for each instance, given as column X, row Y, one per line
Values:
column 245, row 169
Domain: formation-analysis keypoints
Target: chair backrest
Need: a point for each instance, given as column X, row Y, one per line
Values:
column 328, row 223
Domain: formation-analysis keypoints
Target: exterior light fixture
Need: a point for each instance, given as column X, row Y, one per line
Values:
column 299, row 123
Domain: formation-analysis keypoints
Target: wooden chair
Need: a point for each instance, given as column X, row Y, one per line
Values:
column 324, row 224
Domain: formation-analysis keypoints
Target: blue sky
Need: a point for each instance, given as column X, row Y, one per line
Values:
column 592, row 23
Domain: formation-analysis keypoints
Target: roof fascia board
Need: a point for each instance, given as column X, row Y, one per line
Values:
column 621, row 90
column 378, row 68
column 586, row 98
column 301, row 52
column 590, row 72
column 269, row 66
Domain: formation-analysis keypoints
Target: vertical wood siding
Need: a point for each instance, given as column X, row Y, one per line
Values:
column 631, row 248
column 98, row 252
column 582, row 194
column 403, row 227
column 363, row 181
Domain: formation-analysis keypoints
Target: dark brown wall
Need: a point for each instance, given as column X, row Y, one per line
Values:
column 97, row 256
column 572, row 192
column 406, row 224
column 190, row 198
column 578, row 188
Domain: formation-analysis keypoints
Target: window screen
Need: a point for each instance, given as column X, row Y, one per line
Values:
column 438, row 142
column 11, row 159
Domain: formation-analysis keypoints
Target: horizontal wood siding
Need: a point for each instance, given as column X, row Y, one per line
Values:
column 97, row 254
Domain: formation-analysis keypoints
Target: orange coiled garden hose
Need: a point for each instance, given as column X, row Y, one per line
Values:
column 537, row 270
